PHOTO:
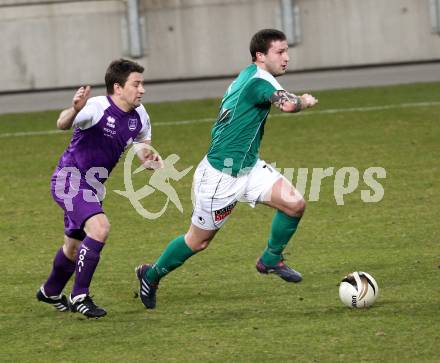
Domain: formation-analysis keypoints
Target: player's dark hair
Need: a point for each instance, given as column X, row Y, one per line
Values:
column 118, row 72
column 260, row 42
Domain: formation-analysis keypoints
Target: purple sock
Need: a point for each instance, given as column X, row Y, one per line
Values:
column 62, row 270
column 87, row 259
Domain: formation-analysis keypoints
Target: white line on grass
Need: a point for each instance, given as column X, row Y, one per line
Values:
column 31, row 133
column 204, row 120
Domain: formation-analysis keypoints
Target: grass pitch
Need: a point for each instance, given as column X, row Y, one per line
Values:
column 216, row 308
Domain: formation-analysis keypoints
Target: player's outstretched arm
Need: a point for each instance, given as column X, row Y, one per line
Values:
column 65, row 120
column 288, row 102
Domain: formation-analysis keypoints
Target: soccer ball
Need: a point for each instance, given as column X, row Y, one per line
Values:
column 358, row 290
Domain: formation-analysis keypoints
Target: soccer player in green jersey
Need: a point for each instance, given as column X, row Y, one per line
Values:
column 232, row 172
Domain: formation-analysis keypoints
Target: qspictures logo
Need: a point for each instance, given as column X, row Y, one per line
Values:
column 344, row 181
column 159, row 181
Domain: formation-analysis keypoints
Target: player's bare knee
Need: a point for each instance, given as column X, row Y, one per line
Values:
column 203, row 245
column 99, row 231
column 296, row 209
column 199, row 245
column 196, row 243
column 302, row 206
column 104, row 231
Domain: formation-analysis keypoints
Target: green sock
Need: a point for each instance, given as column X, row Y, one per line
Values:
column 283, row 228
column 175, row 254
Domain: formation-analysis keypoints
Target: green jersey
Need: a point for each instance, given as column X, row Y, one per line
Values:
column 239, row 128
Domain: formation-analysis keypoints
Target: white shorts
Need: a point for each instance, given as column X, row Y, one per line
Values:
column 215, row 194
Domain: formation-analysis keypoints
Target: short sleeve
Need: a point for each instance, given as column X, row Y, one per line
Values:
column 259, row 91
column 145, row 133
column 88, row 116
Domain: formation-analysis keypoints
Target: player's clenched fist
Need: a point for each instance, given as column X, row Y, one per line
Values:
column 308, row 100
column 80, row 98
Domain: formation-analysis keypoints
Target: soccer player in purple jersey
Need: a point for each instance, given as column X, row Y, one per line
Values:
column 103, row 127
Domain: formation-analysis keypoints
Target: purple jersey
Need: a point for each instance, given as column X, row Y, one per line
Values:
column 102, row 131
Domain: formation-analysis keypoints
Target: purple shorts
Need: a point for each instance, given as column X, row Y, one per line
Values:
column 77, row 199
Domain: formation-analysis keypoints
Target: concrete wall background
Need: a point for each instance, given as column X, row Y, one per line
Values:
column 351, row 32
column 58, row 45
column 65, row 43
